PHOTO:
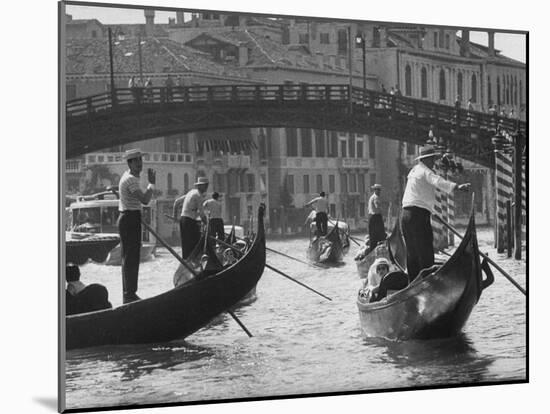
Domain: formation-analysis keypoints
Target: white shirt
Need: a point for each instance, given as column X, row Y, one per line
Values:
column 321, row 204
column 374, row 204
column 214, row 207
column 421, row 185
column 127, row 185
column 192, row 205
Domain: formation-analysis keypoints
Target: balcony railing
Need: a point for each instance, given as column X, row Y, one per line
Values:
column 73, row 166
column 157, row 157
column 355, row 163
column 238, row 161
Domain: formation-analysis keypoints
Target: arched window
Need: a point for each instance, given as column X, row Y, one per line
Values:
column 442, row 87
column 185, row 182
column 424, row 82
column 498, row 90
column 169, row 181
column 474, row 88
column 459, row 85
column 408, row 81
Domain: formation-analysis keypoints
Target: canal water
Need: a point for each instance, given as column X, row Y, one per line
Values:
column 302, row 343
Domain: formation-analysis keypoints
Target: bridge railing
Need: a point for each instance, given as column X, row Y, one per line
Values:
column 378, row 102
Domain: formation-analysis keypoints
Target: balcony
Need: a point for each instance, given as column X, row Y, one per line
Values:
column 73, row 166
column 156, row 157
column 240, row 162
column 355, row 163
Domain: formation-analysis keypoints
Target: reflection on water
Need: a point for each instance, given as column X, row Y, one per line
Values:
column 302, row 343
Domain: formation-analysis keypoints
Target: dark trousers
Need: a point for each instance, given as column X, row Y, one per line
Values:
column 321, row 220
column 190, row 233
column 129, row 228
column 216, row 229
column 377, row 232
column 418, row 234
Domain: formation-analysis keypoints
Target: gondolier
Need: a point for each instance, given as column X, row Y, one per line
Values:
column 377, row 232
column 129, row 220
column 191, row 215
column 213, row 207
column 321, row 215
column 418, row 205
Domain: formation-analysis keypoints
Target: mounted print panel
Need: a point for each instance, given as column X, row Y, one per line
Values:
column 274, row 206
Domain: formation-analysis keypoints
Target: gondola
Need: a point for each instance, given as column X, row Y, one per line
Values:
column 81, row 247
column 330, row 248
column 176, row 313
column 434, row 305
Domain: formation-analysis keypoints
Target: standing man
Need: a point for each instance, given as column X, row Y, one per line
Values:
column 418, row 205
column 377, row 232
column 191, row 215
column 321, row 216
column 213, row 207
column 129, row 220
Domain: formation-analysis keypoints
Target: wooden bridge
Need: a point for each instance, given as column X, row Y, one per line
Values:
column 128, row 115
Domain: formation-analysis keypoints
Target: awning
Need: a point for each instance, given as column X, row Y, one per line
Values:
column 226, row 140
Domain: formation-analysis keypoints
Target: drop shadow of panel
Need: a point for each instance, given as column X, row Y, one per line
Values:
column 48, row 402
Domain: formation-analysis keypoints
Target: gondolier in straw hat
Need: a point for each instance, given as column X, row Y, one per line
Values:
column 418, row 205
column 191, row 215
column 377, row 232
column 129, row 220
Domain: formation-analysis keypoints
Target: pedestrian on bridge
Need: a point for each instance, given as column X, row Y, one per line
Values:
column 129, row 220
column 418, row 205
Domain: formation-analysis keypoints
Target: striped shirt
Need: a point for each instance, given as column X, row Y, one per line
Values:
column 192, row 204
column 214, row 207
column 421, row 185
column 127, row 185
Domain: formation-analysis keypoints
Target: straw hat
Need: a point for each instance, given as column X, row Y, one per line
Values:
column 427, row 153
column 376, row 187
column 132, row 153
column 201, row 180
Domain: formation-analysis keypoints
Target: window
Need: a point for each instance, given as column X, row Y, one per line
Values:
column 342, row 41
column 442, row 89
column 424, row 82
column 343, row 147
column 263, row 147
column 372, row 179
column 489, row 91
column 361, row 209
column 307, row 150
column 185, row 182
column 94, row 34
column 520, row 93
column 360, row 153
column 408, row 80
column 290, row 183
column 324, row 39
column 352, row 146
column 303, row 38
column 372, row 147
column 169, row 181
column 333, row 145
column 498, row 90
column 375, row 37
column 291, row 142
column 319, row 143
column 352, row 183
column 361, row 178
column 344, row 183
column 319, row 183
column 251, row 181
column 474, row 88
column 306, row 184
column 459, row 85
column 331, row 183
column 447, row 41
column 435, row 39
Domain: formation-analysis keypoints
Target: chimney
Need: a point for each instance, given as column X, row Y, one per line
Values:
column 491, row 43
column 243, row 54
column 179, row 17
column 149, row 22
column 383, row 37
column 465, row 43
column 320, row 59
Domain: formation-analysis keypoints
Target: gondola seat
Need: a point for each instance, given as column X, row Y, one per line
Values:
column 391, row 283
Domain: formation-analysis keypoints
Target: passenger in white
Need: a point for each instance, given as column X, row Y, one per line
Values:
column 418, row 205
column 321, row 216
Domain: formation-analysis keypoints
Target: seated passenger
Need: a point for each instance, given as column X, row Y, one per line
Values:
column 81, row 298
column 379, row 269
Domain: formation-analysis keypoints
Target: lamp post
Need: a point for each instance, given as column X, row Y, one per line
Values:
column 360, row 40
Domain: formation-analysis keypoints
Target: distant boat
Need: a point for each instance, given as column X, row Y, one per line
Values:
column 176, row 313
column 98, row 214
column 436, row 304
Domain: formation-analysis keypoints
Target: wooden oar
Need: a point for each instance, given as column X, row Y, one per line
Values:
column 271, row 267
column 188, row 267
column 506, row 275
